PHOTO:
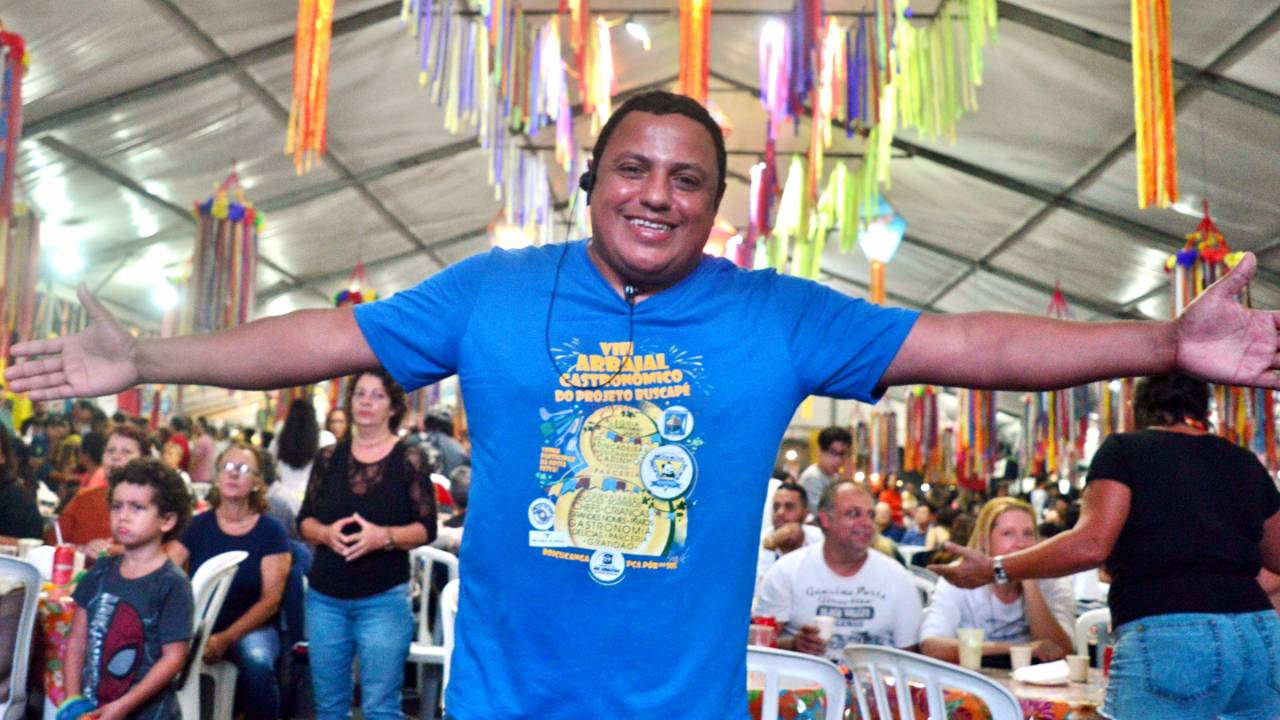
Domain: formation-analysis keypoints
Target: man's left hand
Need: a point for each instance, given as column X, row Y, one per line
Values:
column 973, row 570
column 1221, row 341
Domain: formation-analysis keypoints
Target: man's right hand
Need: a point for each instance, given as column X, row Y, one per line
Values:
column 99, row 360
column 808, row 641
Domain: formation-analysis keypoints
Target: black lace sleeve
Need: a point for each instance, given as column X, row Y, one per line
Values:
column 315, row 484
column 422, row 492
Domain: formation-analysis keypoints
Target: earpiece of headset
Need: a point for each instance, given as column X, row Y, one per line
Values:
column 587, row 182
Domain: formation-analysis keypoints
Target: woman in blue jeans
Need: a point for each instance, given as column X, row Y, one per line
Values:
column 369, row 500
column 245, row 631
column 1183, row 521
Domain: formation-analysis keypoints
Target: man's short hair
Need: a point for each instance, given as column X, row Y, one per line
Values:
column 460, row 486
column 661, row 102
column 832, row 435
column 827, row 502
column 168, row 492
column 92, row 444
column 795, row 488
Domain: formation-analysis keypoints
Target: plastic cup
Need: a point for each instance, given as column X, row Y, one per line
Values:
column 826, row 625
column 26, row 545
column 1019, row 656
column 970, row 640
column 1078, row 668
column 760, row 635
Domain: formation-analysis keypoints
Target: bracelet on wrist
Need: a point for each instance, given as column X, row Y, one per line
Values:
column 391, row 541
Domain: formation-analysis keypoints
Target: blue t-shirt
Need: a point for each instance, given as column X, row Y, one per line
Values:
column 611, row 539
column 204, row 539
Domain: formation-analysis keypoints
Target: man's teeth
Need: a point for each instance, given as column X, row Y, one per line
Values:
column 650, row 225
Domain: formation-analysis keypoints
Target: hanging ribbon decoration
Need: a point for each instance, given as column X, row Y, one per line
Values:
column 224, row 264
column 1056, row 423
column 1246, row 416
column 695, row 49
column 305, row 137
column 13, row 56
column 1153, row 112
column 976, row 438
column 21, row 255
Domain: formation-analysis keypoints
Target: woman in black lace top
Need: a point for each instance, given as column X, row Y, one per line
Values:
column 369, row 501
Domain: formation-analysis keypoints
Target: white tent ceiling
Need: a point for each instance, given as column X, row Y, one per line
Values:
column 136, row 108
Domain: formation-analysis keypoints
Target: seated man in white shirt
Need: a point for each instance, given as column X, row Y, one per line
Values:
column 788, row 530
column 870, row 596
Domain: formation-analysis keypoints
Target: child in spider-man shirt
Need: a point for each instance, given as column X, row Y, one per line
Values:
column 131, row 630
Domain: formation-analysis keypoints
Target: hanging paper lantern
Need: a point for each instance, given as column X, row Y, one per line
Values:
column 1155, row 122
column 224, row 263
column 305, row 137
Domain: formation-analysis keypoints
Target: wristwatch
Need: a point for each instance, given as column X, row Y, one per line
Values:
column 997, row 570
column 391, row 541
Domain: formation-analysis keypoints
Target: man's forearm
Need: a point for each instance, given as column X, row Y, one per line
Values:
column 1008, row 351
column 298, row 348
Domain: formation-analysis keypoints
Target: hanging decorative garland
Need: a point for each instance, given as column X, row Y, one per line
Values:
column 695, row 49
column 1055, row 423
column 21, row 256
column 224, row 263
column 14, row 59
column 305, row 137
column 1246, row 416
column 1155, row 121
column 976, row 438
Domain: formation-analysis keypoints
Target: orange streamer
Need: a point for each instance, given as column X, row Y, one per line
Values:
column 695, row 46
column 305, row 136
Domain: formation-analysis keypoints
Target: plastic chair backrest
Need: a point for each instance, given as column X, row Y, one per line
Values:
column 904, row 667
column 13, row 706
column 775, row 664
column 448, row 612
column 209, row 588
column 925, row 581
column 1101, row 619
column 422, row 561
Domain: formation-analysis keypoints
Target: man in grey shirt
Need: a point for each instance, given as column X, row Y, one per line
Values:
column 833, row 451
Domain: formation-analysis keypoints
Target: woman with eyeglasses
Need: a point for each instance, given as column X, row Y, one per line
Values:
column 245, row 632
column 369, row 500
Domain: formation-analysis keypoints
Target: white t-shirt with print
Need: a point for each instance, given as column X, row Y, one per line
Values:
column 952, row 607
column 878, row 605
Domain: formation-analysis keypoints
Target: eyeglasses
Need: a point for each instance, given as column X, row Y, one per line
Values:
column 239, row 468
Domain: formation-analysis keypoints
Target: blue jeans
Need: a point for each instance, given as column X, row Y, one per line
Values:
column 378, row 630
column 257, row 686
column 1196, row 665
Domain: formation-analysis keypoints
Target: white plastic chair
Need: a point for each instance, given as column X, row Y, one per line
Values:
column 448, row 612
column 775, row 664
column 903, row 667
column 909, row 551
column 13, row 707
column 925, row 581
column 209, row 588
column 1085, row 625
column 427, row 647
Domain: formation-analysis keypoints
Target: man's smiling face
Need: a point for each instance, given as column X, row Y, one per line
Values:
column 654, row 200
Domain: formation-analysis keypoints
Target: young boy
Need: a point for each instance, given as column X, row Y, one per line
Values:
column 129, row 637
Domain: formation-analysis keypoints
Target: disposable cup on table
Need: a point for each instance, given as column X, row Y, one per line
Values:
column 26, row 545
column 970, row 640
column 1019, row 656
column 826, row 626
column 762, row 635
column 1078, row 668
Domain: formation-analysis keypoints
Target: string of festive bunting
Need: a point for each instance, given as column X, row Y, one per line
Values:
column 305, row 136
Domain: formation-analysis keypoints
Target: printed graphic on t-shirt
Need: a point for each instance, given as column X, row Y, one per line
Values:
column 114, row 651
column 618, row 464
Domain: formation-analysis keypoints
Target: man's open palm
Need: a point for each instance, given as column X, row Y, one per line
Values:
column 1224, row 342
column 99, row 360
